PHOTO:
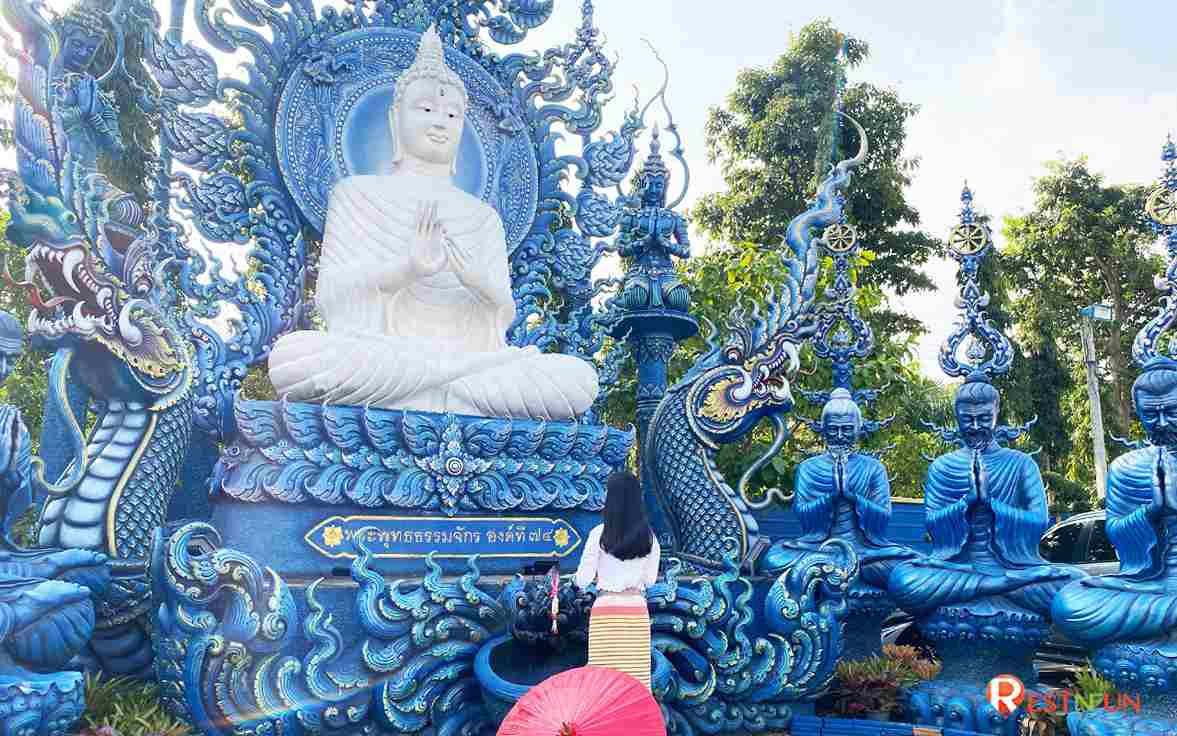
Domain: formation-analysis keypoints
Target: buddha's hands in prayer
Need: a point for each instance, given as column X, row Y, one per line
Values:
column 428, row 254
column 466, row 268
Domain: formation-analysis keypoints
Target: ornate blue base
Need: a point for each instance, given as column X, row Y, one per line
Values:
column 1158, row 715
column 411, row 484
column 239, row 649
column 972, row 650
column 41, row 705
column 959, row 706
column 1143, row 670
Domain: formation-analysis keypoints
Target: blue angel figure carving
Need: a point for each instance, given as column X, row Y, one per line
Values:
column 843, row 494
column 986, row 511
column 651, row 234
column 1141, row 601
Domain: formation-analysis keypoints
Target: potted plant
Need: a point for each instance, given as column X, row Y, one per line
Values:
column 870, row 688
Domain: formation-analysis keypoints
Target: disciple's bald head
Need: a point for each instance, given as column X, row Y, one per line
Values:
column 1155, row 395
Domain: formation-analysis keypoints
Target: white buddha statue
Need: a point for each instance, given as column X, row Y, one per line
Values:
column 414, row 284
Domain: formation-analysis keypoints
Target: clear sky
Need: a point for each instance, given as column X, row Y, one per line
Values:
column 1003, row 86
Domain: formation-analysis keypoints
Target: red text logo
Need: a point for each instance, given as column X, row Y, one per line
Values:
column 1005, row 693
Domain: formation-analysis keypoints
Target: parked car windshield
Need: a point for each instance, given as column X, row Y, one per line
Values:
column 1100, row 548
column 1059, row 545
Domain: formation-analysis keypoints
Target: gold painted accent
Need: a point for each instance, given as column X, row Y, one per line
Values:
column 333, row 536
column 840, row 237
column 968, row 239
column 113, row 504
column 561, row 537
column 1161, row 206
column 925, row 731
column 716, row 407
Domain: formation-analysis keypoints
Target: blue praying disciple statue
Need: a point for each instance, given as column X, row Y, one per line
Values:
column 845, row 494
column 1141, row 601
column 1131, row 618
column 986, row 510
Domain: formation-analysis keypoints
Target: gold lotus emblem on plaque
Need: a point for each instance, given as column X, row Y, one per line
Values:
column 840, row 237
column 968, row 239
column 1161, row 206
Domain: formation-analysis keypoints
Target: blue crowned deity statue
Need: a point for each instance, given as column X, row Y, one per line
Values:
column 844, row 493
column 651, row 234
column 16, row 448
column 983, row 596
column 1131, row 618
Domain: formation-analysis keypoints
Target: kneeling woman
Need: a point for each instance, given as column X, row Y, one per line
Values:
column 622, row 556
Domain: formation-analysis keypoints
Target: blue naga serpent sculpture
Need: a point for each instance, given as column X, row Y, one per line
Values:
column 93, row 282
column 729, row 390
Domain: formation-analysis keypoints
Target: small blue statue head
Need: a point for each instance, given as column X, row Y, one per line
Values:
column 83, row 31
column 11, row 343
column 977, row 404
column 654, row 176
column 841, row 422
column 1155, row 396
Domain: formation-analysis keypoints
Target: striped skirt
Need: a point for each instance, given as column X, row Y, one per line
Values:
column 619, row 635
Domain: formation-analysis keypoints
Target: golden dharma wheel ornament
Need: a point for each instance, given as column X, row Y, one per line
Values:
column 840, row 237
column 1161, row 206
column 968, row 239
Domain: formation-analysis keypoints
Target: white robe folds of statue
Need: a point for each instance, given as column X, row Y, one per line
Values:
column 428, row 344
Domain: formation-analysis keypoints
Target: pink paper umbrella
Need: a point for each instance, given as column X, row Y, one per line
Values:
column 587, row 701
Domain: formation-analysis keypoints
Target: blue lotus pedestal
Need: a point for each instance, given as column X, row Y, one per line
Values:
column 1145, row 672
column 972, row 649
column 41, row 705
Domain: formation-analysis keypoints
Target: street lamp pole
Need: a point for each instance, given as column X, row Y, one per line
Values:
column 1103, row 313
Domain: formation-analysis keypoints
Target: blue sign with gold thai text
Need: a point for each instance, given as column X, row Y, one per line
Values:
column 401, row 537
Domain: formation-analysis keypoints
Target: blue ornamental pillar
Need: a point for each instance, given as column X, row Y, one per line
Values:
column 652, row 302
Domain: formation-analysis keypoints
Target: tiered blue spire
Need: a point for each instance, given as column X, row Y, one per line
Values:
column 1161, row 209
column 988, row 351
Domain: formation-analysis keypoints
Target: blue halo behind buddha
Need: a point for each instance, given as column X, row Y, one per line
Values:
column 983, row 596
column 1130, row 619
column 332, row 122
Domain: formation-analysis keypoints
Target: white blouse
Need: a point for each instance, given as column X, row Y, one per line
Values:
column 614, row 575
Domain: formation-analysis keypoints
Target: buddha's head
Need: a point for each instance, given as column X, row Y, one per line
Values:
column 841, row 422
column 977, row 404
column 429, row 109
column 1155, row 395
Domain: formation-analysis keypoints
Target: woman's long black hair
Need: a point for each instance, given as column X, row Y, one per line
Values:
column 627, row 534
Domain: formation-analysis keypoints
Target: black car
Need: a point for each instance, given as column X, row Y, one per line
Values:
column 1080, row 540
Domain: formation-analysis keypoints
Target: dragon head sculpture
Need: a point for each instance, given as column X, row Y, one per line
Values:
column 747, row 378
column 128, row 347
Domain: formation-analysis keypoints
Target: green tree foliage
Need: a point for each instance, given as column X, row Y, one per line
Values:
column 1085, row 241
column 772, row 141
column 27, row 386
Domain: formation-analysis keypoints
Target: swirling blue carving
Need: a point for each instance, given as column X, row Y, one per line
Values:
column 296, row 453
column 232, row 657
